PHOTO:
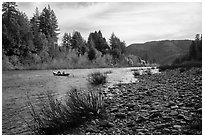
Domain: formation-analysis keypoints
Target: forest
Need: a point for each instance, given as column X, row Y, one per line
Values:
column 33, row 44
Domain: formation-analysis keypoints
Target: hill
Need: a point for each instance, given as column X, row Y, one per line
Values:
column 161, row 52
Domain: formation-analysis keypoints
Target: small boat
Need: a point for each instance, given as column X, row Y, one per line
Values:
column 60, row 74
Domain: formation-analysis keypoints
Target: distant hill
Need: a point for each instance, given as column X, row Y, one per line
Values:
column 161, row 52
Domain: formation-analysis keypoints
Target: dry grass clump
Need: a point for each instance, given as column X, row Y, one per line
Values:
column 57, row 116
column 97, row 78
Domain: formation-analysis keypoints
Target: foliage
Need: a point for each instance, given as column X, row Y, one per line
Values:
column 117, row 46
column 187, row 65
column 66, row 41
column 16, row 35
column 78, row 43
column 92, row 50
column 33, row 44
column 97, row 78
column 136, row 73
column 58, row 116
column 108, row 72
column 195, row 52
column 98, row 41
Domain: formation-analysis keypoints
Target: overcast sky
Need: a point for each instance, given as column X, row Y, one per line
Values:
column 133, row 22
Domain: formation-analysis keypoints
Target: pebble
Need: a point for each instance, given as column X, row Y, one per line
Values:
column 131, row 124
column 177, row 126
column 174, row 107
column 161, row 126
column 140, row 119
column 181, row 116
column 166, row 101
column 105, row 123
column 90, row 130
column 120, row 115
column 140, row 133
column 173, row 113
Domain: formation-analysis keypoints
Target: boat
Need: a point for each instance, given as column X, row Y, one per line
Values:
column 60, row 74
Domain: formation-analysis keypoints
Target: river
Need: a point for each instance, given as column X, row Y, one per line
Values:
column 16, row 85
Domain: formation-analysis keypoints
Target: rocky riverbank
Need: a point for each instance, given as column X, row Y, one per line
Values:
column 168, row 103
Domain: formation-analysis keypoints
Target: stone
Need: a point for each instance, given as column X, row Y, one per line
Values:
column 145, row 107
column 173, row 113
column 166, row 130
column 174, row 107
column 120, row 115
column 114, row 110
column 130, row 124
column 106, row 123
column 181, row 116
column 90, row 130
column 177, row 127
column 140, row 119
column 166, row 118
column 131, row 113
column 140, row 133
column 154, row 111
column 130, row 105
column 154, row 115
column 163, row 125
column 199, row 110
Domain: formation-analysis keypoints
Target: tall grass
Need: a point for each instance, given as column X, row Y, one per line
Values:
column 58, row 116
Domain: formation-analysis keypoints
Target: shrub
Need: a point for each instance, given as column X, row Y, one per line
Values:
column 136, row 73
column 57, row 116
column 148, row 71
column 97, row 78
column 108, row 72
column 6, row 64
column 187, row 65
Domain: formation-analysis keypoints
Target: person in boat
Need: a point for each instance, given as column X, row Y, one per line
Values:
column 58, row 72
column 63, row 72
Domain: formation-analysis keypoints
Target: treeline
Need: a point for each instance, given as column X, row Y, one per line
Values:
column 33, row 43
column 194, row 54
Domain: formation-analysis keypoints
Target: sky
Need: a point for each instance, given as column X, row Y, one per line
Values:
column 132, row 22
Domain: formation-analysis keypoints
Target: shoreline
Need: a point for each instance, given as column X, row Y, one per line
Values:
column 168, row 103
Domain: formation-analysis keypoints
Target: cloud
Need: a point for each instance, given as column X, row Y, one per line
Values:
column 132, row 22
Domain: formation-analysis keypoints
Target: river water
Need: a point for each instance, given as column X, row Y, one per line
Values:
column 16, row 85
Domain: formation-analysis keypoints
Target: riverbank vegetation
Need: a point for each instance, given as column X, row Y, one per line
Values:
column 60, row 116
column 33, row 44
column 97, row 78
column 192, row 59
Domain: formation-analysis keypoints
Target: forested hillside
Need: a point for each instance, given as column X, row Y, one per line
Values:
column 161, row 52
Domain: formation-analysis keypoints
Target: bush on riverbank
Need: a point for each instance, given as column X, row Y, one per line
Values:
column 57, row 116
column 136, row 73
column 71, row 60
column 97, row 78
column 186, row 65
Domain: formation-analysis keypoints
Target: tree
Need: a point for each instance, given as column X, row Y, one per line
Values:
column 66, row 41
column 49, row 27
column 117, row 47
column 35, row 28
column 78, row 43
column 16, row 35
column 48, row 23
column 195, row 50
column 92, row 50
column 9, row 29
column 99, row 42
